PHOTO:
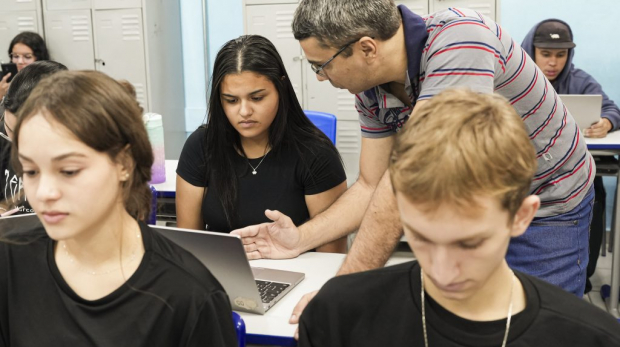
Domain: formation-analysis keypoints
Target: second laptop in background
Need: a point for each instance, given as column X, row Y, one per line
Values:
column 585, row 109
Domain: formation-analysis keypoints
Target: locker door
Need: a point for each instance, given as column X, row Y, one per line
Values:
column 325, row 98
column 67, row 5
column 419, row 7
column 13, row 23
column 17, row 5
column 116, row 4
column 69, row 38
column 349, row 144
column 119, row 48
column 322, row 96
column 274, row 22
column 485, row 7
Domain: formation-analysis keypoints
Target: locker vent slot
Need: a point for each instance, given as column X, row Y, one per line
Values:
column 283, row 24
column 80, row 28
column 131, row 27
column 26, row 24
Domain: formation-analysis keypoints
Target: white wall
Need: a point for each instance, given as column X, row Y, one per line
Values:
column 224, row 21
column 194, row 63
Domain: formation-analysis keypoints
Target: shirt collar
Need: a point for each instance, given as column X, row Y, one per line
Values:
column 416, row 35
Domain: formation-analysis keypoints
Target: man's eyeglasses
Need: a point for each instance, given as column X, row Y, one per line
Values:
column 319, row 69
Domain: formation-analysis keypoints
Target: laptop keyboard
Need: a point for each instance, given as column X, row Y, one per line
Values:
column 270, row 290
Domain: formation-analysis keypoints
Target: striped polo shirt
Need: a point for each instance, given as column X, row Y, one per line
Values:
column 460, row 47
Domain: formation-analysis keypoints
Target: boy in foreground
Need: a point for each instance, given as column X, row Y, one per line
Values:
column 461, row 170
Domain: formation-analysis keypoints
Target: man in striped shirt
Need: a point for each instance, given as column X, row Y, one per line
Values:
column 393, row 61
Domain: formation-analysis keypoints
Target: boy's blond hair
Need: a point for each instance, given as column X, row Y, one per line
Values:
column 462, row 145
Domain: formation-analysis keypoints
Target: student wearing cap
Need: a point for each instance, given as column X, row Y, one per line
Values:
column 461, row 171
column 550, row 43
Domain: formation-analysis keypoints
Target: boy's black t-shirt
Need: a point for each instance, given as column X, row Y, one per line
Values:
column 171, row 300
column 382, row 308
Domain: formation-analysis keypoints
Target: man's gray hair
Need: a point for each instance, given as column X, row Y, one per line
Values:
column 334, row 23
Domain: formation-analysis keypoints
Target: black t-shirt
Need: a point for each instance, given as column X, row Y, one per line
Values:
column 382, row 308
column 282, row 181
column 11, row 186
column 173, row 301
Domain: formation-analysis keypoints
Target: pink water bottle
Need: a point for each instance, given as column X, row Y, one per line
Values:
column 155, row 129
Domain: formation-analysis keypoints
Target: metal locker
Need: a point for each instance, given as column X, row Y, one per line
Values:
column 116, row 4
column 18, row 5
column 119, row 48
column 419, row 7
column 69, row 38
column 11, row 24
column 274, row 23
column 55, row 5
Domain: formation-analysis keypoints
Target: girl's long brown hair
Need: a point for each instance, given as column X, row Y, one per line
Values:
column 101, row 114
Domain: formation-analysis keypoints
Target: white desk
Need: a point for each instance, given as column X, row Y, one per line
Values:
column 273, row 327
column 318, row 267
column 610, row 145
column 169, row 187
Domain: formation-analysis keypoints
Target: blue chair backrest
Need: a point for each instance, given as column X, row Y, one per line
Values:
column 324, row 121
column 240, row 329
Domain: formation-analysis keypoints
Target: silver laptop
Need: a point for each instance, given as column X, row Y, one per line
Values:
column 250, row 289
column 585, row 109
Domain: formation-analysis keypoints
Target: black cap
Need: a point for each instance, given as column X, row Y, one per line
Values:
column 553, row 34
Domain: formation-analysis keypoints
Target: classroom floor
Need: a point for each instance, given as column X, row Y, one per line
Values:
column 601, row 276
column 603, row 266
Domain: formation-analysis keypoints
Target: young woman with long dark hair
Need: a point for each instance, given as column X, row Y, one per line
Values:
column 258, row 150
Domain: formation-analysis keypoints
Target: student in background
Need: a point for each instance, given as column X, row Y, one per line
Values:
column 461, row 171
column 258, row 150
column 98, row 275
column 25, row 48
column 550, row 43
column 11, row 193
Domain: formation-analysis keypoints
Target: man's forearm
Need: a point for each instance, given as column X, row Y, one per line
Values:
column 378, row 234
column 340, row 219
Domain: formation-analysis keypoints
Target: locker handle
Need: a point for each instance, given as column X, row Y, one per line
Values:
column 299, row 58
column 99, row 61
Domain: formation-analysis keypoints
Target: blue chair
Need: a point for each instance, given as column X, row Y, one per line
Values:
column 239, row 328
column 324, row 121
